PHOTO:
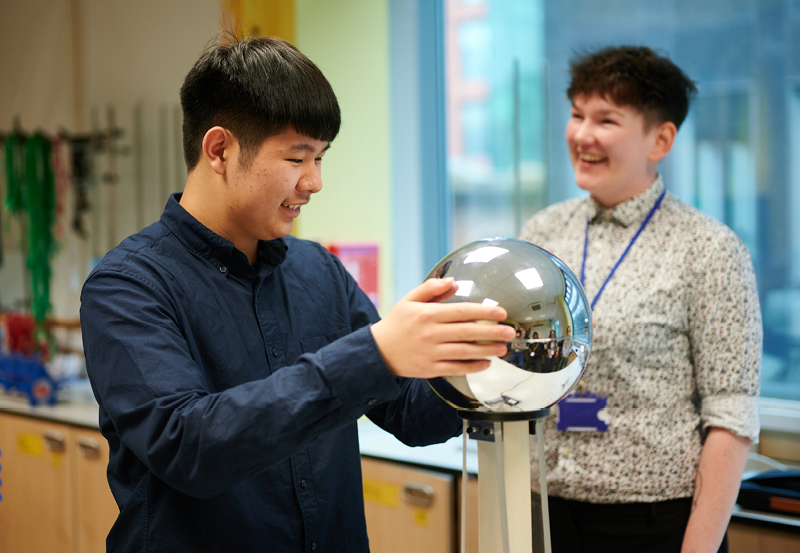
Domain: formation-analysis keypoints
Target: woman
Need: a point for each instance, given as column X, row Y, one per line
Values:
column 677, row 348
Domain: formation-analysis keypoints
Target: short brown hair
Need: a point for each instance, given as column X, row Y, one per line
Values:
column 634, row 76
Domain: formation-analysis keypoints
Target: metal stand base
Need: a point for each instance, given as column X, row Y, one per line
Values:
column 504, row 483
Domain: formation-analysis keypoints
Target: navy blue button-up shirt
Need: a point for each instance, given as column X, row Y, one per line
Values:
column 229, row 392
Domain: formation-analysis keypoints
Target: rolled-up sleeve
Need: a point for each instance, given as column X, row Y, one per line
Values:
column 726, row 334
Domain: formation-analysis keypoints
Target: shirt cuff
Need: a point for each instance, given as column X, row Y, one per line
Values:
column 736, row 413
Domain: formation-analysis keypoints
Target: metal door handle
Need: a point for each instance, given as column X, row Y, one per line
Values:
column 418, row 494
column 54, row 441
column 89, row 447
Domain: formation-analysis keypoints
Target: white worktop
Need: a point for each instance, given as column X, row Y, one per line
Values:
column 84, row 413
column 375, row 442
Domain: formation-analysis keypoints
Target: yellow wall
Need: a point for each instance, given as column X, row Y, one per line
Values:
column 135, row 55
column 349, row 41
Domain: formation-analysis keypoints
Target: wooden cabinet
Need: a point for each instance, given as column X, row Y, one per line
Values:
column 94, row 503
column 408, row 509
column 746, row 538
column 55, row 495
column 36, row 506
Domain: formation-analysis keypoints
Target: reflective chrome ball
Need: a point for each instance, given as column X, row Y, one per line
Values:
column 548, row 308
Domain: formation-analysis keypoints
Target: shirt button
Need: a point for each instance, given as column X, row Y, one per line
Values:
column 372, row 402
column 303, row 482
column 598, row 245
column 313, row 546
column 275, row 352
column 223, row 269
column 564, row 451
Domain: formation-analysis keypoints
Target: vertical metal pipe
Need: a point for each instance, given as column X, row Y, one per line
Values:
column 138, row 163
column 177, row 140
column 464, row 488
column 163, row 154
column 499, row 445
column 543, row 486
column 111, row 178
column 517, row 154
column 78, row 96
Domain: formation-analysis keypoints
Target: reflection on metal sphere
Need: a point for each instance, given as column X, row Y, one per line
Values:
column 546, row 305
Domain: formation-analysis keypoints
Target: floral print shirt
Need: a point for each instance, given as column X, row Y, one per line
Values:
column 677, row 346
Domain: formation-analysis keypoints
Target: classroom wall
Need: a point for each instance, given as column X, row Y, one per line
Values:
column 36, row 86
column 75, row 64
column 64, row 63
column 349, row 41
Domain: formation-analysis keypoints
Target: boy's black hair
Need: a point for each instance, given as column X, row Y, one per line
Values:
column 634, row 76
column 255, row 88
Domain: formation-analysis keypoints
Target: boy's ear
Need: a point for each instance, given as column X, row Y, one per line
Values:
column 218, row 145
column 664, row 139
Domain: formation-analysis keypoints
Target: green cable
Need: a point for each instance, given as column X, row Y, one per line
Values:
column 39, row 197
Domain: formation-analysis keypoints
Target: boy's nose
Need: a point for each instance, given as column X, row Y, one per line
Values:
column 311, row 181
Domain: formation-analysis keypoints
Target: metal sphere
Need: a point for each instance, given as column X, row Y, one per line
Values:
column 547, row 306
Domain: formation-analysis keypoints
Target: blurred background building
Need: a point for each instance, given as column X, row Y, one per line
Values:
column 737, row 157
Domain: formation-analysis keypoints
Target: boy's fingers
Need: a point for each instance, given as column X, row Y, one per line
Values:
column 430, row 290
column 475, row 332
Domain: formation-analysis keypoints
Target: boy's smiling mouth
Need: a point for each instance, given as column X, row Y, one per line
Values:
column 591, row 158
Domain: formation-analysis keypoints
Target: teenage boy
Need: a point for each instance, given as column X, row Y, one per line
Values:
column 677, row 348
column 231, row 361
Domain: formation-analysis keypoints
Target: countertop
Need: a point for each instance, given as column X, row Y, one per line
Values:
column 83, row 414
column 375, row 442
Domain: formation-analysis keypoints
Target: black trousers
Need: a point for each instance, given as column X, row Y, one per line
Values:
column 578, row 527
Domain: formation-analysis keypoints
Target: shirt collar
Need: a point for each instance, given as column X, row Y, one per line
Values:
column 630, row 211
column 211, row 246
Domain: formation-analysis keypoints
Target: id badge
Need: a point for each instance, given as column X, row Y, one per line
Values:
column 582, row 413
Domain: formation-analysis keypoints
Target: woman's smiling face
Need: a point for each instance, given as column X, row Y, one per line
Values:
column 611, row 148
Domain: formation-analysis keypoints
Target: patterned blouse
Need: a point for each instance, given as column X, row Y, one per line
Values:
column 677, row 346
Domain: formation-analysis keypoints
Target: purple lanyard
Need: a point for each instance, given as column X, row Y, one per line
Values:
column 619, row 262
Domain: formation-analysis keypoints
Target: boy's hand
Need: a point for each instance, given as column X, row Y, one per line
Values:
column 421, row 338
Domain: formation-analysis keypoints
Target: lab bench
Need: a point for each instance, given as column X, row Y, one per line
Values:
column 54, row 494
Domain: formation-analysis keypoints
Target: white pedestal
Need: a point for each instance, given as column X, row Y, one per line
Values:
column 517, row 472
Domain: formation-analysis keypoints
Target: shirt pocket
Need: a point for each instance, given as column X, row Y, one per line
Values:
column 312, row 345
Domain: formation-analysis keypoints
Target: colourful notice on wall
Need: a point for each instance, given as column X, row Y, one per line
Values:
column 361, row 261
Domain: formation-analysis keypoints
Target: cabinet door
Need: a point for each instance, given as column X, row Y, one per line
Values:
column 408, row 509
column 36, row 508
column 96, row 507
column 744, row 538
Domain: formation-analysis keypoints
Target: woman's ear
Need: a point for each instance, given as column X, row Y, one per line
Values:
column 218, row 145
column 664, row 139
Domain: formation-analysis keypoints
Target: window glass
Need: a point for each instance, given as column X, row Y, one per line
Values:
column 736, row 158
column 495, row 115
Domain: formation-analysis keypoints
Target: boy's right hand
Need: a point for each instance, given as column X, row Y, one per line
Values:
column 422, row 338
